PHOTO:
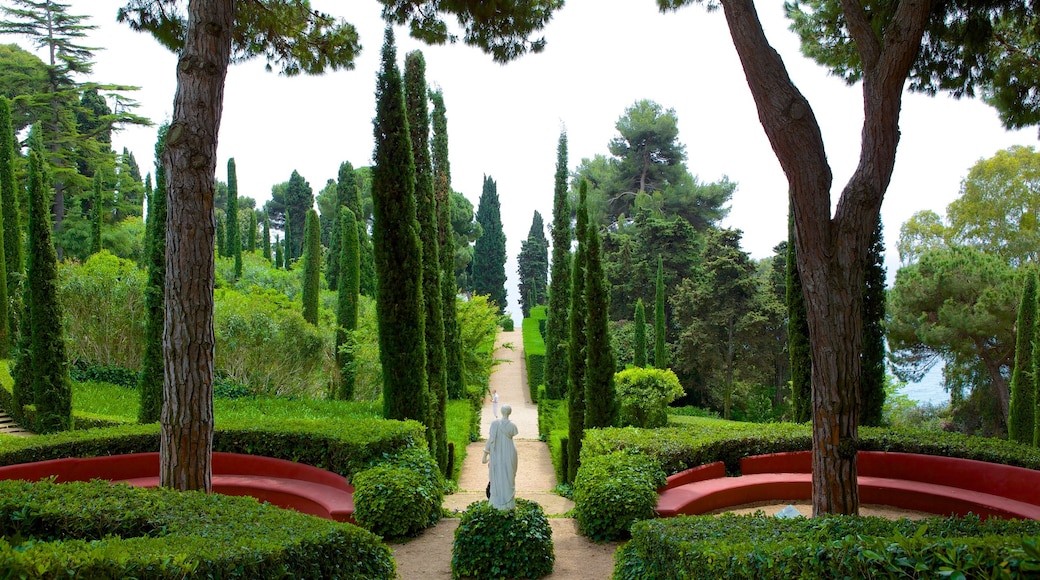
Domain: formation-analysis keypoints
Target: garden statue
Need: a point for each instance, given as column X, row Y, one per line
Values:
column 500, row 455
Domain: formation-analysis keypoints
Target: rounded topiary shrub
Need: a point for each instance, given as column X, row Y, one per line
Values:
column 493, row 543
column 645, row 394
column 98, row 530
column 395, row 502
column 614, row 491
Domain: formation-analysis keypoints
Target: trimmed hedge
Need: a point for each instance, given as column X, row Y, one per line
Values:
column 831, row 547
column 534, row 352
column 493, row 543
column 614, row 491
column 98, row 530
column 552, row 427
column 401, row 497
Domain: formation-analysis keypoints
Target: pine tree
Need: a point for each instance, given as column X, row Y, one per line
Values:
column 51, row 386
column 489, row 253
column 426, row 212
column 1022, row 408
column 660, row 351
column 266, row 248
column 251, row 238
column 639, row 336
column 150, row 382
column 287, row 242
column 398, row 252
column 233, row 246
column 872, row 372
column 446, row 251
column 98, row 215
column 557, row 327
column 311, row 267
column 348, row 293
column 578, row 339
column 797, row 335
column 601, row 405
column 533, row 266
column 12, row 222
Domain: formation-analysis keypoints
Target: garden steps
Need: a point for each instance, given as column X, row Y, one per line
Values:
column 9, row 427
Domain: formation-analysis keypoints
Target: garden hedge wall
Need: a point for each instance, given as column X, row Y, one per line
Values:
column 97, row 530
column 534, row 351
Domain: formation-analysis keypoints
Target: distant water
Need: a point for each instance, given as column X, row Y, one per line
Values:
column 929, row 389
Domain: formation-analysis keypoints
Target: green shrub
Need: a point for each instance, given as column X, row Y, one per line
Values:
column 81, row 371
column 645, row 394
column 613, row 491
column 831, row 547
column 98, row 530
column 534, row 355
column 492, row 543
column 506, row 322
column 395, row 502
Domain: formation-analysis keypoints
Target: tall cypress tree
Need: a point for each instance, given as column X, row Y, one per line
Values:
column 1036, row 377
column 97, row 215
column 446, row 251
column 557, row 327
column 13, row 259
column 601, row 406
column 251, row 238
column 266, row 247
column 533, row 266
column 1022, row 409
column 221, row 236
column 578, row 346
column 51, row 386
column 287, row 241
column 6, row 189
column 660, row 351
column 872, row 372
column 489, row 252
column 426, row 212
column 279, row 258
column 639, row 335
column 311, row 267
column 233, row 247
column 150, row 382
column 345, row 187
column 398, row 251
column 797, row 334
column 348, row 292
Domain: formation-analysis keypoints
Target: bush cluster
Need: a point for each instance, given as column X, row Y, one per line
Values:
column 832, row 547
column 81, row 371
column 492, row 543
column 553, row 420
column 400, row 495
column 534, row 354
column 645, row 394
column 98, row 530
column 614, row 491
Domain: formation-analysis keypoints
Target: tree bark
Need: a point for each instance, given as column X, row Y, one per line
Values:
column 831, row 252
column 186, row 442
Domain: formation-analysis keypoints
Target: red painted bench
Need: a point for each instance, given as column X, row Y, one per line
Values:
column 929, row 483
column 283, row 483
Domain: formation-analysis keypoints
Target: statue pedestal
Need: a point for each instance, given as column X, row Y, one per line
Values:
column 491, row 543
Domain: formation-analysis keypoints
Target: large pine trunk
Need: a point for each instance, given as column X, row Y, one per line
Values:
column 186, row 442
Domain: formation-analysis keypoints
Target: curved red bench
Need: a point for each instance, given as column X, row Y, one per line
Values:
column 929, row 483
column 283, row 483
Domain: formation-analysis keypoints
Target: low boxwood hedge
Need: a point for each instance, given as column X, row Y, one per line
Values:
column 493, row 543
column 97, row 530
column 534, row 355
column 830, row 547
column 400, row 496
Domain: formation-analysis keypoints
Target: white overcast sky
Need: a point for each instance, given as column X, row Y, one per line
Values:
column 505, row 120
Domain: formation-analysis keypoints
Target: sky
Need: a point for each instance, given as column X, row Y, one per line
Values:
column 504, row 121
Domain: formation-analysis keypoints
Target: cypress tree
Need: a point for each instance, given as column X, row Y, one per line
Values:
column 51, row 386
column 797, row 335
column 348, row 292
column 9, row 205
column 266, row 247
column 150, row 381
column 872, row 372
column 221, row 236
column 533, row 266
column 601, row 406
column 446, row 251
column 311, row 267
column 279, row 259
column 6, row 181
column 1022, row 408
column 660, row 352
column 578, row 340
column 1036, row 377
column 639, row 338
column 426, row 212
column 98, row 215
column 557, row 327
column 344, row 182
column 233, row 245
column 489, row 252
column 251, row 238
column 398, row 251
column 287, row 242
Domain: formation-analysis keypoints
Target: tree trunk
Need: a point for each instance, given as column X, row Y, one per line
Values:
column 831, row 252
column 186, row 443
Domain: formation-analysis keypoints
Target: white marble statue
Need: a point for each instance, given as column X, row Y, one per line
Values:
column 500, row 455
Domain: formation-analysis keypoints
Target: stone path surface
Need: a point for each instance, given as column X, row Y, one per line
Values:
column 429, row 555
column 9, row 427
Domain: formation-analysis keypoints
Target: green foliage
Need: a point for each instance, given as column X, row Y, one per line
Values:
column 639, row 336
column 311, row 267
column 601, row 405
column 872, row 371
column 1022, row 410
column 492, row 543
column 557, row 327
column 81, row 371
column 489, row 253
column 396, row 502
column 758, row 546
column 233, row 245
column 614, row 491
column 13, row 262
column 660, row 352
column 152, row 371
column 534, row 353
column 398, row 251
column 478, row 327
column 645, row 395
column 161, row 533
column 578, row 340
column 349, row 288
column 533, row 266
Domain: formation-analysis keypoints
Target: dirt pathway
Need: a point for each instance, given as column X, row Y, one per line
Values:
column 429, row 555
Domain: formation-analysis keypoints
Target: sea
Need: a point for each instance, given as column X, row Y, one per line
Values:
column 929, row 389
